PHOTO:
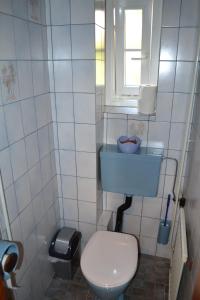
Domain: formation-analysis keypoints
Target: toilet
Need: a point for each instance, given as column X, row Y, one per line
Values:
column 108, row 262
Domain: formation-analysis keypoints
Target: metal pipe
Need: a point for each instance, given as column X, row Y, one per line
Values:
column 175, row 175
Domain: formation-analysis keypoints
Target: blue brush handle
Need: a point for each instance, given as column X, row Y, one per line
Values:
column 167, row 209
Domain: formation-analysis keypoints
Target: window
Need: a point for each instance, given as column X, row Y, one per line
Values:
column 132, row 48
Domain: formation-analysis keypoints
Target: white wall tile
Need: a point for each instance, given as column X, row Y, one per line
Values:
column 25, row 79
column 170, row 170
column 115, row 128
column 149, row 227
column 40, row 77
column 28, row 116
column 23, row 194
column 169, row 43
column 86, row 164
column 5, row 166
column 43, row 110
column 87, row 230
column 82, row 83
column 84, row 108
column 171, row 12
column 161, row 186
column 85, row 137
column 168, row 188
column 30, row 248
column 16, row 230
column 36, row 39
column 63, row 76
column 22, row 41
column 163, row 251
column 67, row 162
column 83, row 41
column 177, row 133
column 35, row 178
column 180, row 107
column 18, row 159
column 11, row 203
column 20, row 8
column 86, row 189
column 38, row 208
column 60, row 12
column 164, row 107
column 87, row 212
column 184, row 77
column 61, row 42
column 32, row 149
column 136, row 207
column 14, row 122
column 66, row 136
column 43, row 141
column 64, row 107
column 159, row 133
column 82, row 12
column 70, row 209
column 3, row 131
column 27, row 221
column 148, row 245
column 46, row 169
column 166, row 76
column 34, row 13
column 69, row 187
column 138, row 128
column 152, row 207
column 190, row 13
column 131, row 224
column 7, row 48
column 71, row 223
column 6, row 6
column 187, row 47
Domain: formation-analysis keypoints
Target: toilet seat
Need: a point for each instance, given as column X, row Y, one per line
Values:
column 110, row 259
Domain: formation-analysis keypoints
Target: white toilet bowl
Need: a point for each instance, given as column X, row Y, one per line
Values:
column 108, row 262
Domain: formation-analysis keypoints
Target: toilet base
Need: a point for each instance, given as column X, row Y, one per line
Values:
column 110, row 293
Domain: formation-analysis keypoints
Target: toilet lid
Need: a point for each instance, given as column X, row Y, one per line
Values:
column 110, row 259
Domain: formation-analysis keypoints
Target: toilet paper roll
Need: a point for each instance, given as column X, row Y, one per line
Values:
column 147, row 99
column 9, row 255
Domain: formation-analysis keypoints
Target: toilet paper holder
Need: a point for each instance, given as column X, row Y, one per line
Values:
column 9, row 259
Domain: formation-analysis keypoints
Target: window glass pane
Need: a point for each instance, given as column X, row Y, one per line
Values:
column 132, row 68
column 133, row 29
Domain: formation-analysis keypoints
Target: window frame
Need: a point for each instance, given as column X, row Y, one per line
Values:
column 116, row 94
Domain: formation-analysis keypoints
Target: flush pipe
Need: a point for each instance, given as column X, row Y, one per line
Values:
column 178, row 191
column 120, row 212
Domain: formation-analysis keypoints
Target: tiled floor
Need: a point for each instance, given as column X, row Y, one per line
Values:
column 150, row 283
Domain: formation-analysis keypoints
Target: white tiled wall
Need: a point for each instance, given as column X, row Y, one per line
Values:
column 78, row 118
column 176, row 75
column 67, row 49
column 27, row 158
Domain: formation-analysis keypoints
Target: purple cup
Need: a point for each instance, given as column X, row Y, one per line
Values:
column 125, row 145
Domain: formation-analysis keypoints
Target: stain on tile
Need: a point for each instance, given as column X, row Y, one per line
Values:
column 8, row 81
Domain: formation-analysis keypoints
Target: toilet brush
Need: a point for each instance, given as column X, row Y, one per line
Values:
column 165, row 225
column 167, row 209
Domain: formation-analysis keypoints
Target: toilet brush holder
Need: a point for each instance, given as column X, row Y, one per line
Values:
column 164, row 231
